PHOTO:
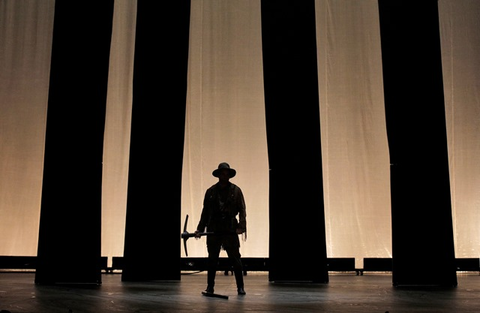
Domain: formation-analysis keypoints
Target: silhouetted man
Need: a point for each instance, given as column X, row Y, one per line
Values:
column 223, row 202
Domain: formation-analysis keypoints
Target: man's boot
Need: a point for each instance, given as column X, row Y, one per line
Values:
column 239, row 279
column 210, row 281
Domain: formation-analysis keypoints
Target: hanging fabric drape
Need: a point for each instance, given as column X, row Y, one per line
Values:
column 460, row 40
column 422, row 233
column 25, row 51
column 117, row 129
column 225, row 121
column 157, row 140
column 296, row 210
column 352, row 118
column 70, row 219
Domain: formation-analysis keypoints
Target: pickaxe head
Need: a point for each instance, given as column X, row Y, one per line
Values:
column 185, row 235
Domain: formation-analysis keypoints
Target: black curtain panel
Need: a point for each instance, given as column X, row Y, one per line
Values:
column 422, row 231
column 70, row 221
column 152, row 235
column 297, row 222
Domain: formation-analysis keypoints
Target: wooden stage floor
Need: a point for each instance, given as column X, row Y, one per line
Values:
column 344, row 293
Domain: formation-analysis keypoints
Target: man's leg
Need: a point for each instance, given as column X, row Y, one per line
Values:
column 235, row 260
column 213, row 247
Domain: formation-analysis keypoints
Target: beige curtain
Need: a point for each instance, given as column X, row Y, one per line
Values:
column 225, row 121
column 225, row 114
column 354, row 142
column 460, row 37
column 117, row 128
column 25, row 49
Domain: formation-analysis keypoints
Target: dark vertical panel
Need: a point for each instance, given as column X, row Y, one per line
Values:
column 70, row 221
column 422, row 233
column 152, row 240
column 297, row 223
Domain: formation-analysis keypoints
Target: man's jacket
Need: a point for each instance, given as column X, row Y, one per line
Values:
column 220, row 208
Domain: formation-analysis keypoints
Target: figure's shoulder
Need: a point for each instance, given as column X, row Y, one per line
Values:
column 235, row 188
column 211, row 188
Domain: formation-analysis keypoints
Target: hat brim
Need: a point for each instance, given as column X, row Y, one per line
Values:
column 230, row 170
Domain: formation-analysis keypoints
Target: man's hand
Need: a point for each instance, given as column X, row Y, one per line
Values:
column 197, row 234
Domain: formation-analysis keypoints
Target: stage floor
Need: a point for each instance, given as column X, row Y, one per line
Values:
column 344, row 293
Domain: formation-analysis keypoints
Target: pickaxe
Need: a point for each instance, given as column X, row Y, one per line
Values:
column 186, row 235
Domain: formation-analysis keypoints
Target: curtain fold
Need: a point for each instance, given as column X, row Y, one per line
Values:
column 354, row 142
column 225, row 121
column 296, row 211
column 225, row 118
column 70, row 220
column 157, row 141
column 422, row 233
column 117, row 129
column 460, row 40
column 25, row 51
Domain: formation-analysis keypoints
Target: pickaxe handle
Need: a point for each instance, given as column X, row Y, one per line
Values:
column 186, row 235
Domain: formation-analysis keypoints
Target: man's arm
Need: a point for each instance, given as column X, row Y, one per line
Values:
column 202, row 224
column 242, row 212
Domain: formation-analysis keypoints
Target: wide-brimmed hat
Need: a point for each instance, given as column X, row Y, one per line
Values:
column 222, row 166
